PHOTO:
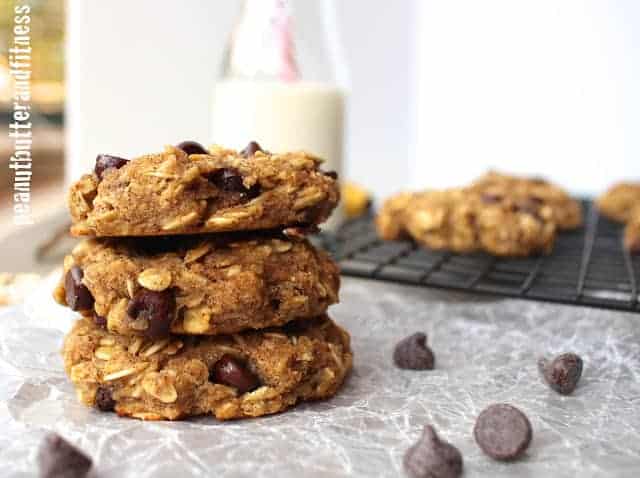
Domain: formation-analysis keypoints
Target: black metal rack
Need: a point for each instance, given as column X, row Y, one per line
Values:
column 588, row 266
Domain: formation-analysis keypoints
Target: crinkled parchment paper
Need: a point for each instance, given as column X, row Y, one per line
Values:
column 486, row 352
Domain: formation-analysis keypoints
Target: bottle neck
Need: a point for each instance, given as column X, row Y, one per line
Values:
column 262, row 45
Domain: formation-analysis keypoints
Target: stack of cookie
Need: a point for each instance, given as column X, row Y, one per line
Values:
column 198, row 291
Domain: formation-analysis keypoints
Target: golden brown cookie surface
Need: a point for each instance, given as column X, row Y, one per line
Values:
column 197, row 285
column 233, row 376
column 632, row 232
column 176, row 193
column 563, row 210
column 619, row 201
column 499, row 214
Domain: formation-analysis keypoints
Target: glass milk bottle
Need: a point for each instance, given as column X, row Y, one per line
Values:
column 282, row 82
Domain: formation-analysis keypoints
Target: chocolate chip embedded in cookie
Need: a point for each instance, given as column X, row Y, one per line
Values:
column 551, row 202
column 229, row 376
column 230, row 371
column 76, row 294
column 203, row 285
column 251, row 149
column 105, row 162
column 191, row 147
column 187, row 189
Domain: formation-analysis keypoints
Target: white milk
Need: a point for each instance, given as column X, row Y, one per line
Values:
column 282, row 117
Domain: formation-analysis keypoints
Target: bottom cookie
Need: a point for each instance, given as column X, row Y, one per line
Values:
column 232, row 376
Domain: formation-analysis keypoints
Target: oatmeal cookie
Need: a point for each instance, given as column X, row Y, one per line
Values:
column 565, row 211
column 229, row 376
column 207, row 285
column 204, row 191
column 632, row 232
column 463, row 221
column 390, row 221
column 502, row 215
column 618, row 202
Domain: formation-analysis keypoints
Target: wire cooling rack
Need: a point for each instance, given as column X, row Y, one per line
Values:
column 588, row 266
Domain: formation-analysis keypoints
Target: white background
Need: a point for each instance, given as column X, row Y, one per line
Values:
column 440, row 90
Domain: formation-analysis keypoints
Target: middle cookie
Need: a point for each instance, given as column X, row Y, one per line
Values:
column 205, row 286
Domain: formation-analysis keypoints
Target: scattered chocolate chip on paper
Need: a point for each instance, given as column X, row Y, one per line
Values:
column 503, row 432
column 413, row 353
column 562, row 373
column 57, row 458
column 430, row 457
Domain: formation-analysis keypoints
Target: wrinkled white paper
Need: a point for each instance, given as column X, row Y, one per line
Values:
column 486, row 352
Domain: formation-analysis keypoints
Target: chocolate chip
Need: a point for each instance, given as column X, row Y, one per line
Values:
column 331, row 174
column 490, row 198
column 76, row 293
column 250, row 149
column 230, row 371
column 230, row 180
column 158, row 308
column 104, row 400
column 57, row 458
column 105, row 161
column 503, row 432
column 431, row 457
column 562, row 373
column 192, row 147
column 413, row 353
column 100, row 321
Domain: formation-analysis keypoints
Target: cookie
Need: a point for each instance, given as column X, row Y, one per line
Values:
column 466, row 220
column 499, row 214
column 229, row 376
column 389, row 221
column 632, row 232
column 206, row 285
column 179, row 193
column 554, row 202
column 619, row 201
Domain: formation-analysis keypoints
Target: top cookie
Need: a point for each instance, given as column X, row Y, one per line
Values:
column 200, row 191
